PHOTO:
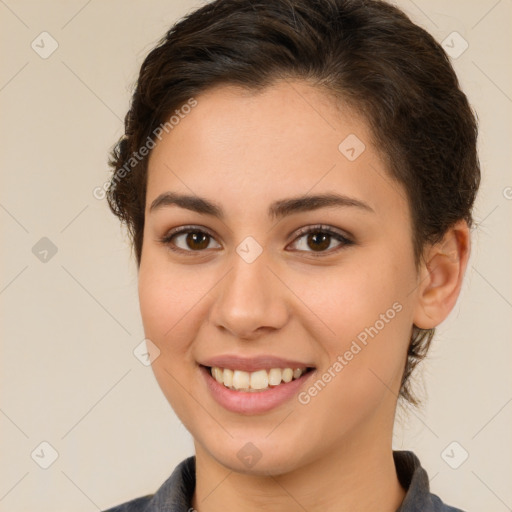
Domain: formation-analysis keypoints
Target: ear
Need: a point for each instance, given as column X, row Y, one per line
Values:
column 440, row 276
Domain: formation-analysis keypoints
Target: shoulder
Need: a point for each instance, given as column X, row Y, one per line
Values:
column 439, row 506
column 415, row 481
column 136, row 505
column 174, row 494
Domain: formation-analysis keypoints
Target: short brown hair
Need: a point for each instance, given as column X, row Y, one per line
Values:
column 367, row 53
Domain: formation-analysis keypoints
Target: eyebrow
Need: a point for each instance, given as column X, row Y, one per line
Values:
column 276, row 210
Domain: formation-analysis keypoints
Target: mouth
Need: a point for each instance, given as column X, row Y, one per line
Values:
column 254, row 385
column 256, row 381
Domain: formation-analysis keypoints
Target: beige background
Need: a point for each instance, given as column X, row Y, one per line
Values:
column 70, row 324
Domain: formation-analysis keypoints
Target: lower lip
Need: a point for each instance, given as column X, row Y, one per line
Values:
column 246, row 402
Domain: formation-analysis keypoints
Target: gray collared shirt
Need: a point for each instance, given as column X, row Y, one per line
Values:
column 175, row 494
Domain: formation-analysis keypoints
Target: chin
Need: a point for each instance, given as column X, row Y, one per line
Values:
column 259, row 456
column 275, row 465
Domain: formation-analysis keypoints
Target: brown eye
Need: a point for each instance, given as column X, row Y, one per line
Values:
column 319, row 239
column 197, row 240
column 189, row 240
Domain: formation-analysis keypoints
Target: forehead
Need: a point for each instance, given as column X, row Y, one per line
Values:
column 284, row 140
column 285, row 121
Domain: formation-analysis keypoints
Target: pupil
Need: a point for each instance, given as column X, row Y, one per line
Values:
column 322, row 239
column 197, row 240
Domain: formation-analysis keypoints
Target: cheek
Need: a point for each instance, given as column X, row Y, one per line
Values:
column 169, row 301
column 365, row 357
column 363, row 314
column 351, row 297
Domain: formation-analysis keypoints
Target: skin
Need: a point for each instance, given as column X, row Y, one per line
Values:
column 244, row 150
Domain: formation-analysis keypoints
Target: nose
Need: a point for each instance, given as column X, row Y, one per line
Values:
column 250, row 301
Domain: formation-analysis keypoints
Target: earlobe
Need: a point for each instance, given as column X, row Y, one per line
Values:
column 441, row 276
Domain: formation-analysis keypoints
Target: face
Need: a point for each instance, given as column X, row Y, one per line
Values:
column 254, row 272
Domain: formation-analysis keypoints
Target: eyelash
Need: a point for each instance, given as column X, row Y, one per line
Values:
column 317, row 229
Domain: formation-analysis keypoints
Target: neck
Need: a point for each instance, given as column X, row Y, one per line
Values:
column 354, row 477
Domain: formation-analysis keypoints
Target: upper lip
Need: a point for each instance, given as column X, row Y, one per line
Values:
column 250, row 364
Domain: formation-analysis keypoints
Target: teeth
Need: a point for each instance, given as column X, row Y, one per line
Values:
column 217, row 375
column 287, row 375
column 259, row 379
column 227, row 377
column 254, row 381
column 274, row 376
column 241, row 380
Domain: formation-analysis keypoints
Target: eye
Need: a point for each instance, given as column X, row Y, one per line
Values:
column 313, row 239
column 319, row 239
column 189, row 239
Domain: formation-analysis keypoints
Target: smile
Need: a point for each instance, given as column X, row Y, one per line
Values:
column 257, row 381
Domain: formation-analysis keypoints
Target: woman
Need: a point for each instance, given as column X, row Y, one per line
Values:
column 297, row 177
